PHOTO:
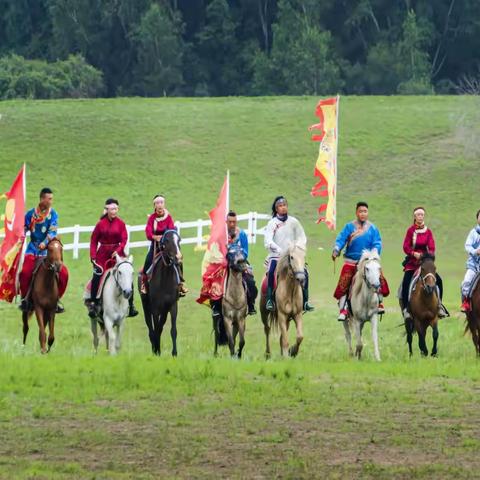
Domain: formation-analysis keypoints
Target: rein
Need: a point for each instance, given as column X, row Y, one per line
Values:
column 115, row 270
column 365, row 279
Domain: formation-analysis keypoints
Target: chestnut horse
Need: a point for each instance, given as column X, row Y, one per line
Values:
column 473, row 318
column 424, row 303
column 45, row 294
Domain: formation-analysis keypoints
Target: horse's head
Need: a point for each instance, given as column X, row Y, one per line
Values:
column 370, row 268
column 170, row 246
column 296, row 262
column 55, row 254
column 428, row 272
column 123, row 275
column 236, row 259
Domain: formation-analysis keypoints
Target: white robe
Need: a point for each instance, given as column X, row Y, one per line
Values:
column 280, row 235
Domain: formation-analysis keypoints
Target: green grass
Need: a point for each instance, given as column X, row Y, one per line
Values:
column 75, row 415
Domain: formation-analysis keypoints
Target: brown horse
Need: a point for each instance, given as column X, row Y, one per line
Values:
column 45, row 294
column 288, row 300
column 473, row 318
column 424, row 304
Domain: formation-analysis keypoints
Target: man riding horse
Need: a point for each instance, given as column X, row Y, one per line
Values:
column 418, row 242
column 42, row 223
column 157, row 224
column 237, row 238
column 282, row 231
column 108, row 240
column 355, row 237
column 472, row 247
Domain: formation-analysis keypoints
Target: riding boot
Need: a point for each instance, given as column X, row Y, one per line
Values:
column 466, row 306
column 25, row 305
column 93, row 305
column 406, row 314
column 182, row 288
column 252, row 292
column 270, row 306
column 442, row 310
column 306, row 306
column 251, row 305
column 216, row 306
column 132, row 311
column 342, row 304
column 60, row 308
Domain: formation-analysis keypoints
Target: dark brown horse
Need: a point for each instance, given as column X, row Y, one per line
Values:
column 45, row 294
column 473, row 318
column 424, row 304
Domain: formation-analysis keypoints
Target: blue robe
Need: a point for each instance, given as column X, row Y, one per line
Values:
column 39, row 231
column 357, row 238
column 241, row 241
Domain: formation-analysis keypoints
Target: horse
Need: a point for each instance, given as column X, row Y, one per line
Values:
column 234, row 303
column 288, row 300
column 424, row 303
column 364, row 302
column 44, row 294
column 162, row 292
column 473, row 318
column 116, row 292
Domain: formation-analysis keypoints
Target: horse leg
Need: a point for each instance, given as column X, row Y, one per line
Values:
column 293, row 352
column 162, row 318
column 42, row 337
column 282, row 323
column 229, row 330
column 374, row 322
column 118, row 339
column 51, row 330
column 241, row 331
column 266, row 329
column 25, row 317
column 357, row 326
column 421, row 341
column 348, row 336
column 435, row 339
column 94, row 327
column 173, row 330
column 110, row 331
column 409, row 329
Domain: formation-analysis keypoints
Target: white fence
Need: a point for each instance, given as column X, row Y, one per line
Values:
column 201, row 234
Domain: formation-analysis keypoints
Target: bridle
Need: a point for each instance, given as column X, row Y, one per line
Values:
column 295, row 273
column 115, row 273
column 364, row 276
column 169, row 260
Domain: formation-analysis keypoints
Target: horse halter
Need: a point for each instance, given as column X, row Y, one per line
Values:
column 162, row 247
column 364, row 276
column 425, row 285
column 115, row 273
column 296, row 273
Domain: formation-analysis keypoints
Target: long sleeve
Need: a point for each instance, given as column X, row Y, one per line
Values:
column 269, row 243
column 94, row 241
column 431, row 243
column 149, row 228
column 469, row 243
column 300, row 237
column 28, row 219
column 377, row 240
column 170, row 223
column 407, row 242
column 244, row 243
column 123, row 240
column 342, row 237
column 53, row 227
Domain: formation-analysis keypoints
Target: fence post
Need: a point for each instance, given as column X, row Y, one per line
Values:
column 76, row 241
column 178, row 226
column 199, row 233
column 250, row 227
column 254, row 227
column 127, row 247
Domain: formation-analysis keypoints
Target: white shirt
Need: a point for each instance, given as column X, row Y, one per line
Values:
column 280, row 235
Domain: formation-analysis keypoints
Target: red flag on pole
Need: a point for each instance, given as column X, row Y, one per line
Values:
column 13, row 229
column 214, row 265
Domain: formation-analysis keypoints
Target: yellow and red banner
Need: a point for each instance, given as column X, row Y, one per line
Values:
column 214, row 265
column 326, row 166
column 13, row 229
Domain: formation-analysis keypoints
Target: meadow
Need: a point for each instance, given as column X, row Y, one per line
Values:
column 73, row 414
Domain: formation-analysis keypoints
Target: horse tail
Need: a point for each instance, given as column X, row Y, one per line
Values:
column 220, row 332
column 274, row 320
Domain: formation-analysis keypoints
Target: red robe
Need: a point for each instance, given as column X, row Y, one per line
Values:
column 109, row 236
column 423, row 243
column 158, row 225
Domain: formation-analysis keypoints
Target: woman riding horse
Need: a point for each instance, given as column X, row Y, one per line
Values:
column 157, row 224
column 472, row 247
column 108, row 240
column 418, row 242
column 281, row 232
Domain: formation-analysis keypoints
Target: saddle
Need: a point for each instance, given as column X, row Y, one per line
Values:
column 88, row 286
column 473, row 285
column 265, row 283
column 412, row 286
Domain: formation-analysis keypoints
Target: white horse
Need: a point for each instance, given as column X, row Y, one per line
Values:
column 364, row 302
column 116, row 292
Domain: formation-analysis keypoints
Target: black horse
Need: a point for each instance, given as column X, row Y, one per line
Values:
column 162, row 291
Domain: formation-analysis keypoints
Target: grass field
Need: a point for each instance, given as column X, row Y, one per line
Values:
column 322, row 415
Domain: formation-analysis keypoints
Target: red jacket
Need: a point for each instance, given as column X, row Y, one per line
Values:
column 112, row 237
column 158, row 225
column 424, row 243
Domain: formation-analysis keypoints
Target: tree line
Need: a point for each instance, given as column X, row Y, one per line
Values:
column 58, row 48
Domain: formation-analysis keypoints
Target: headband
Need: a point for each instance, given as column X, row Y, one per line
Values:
column 280, row 200
column 417, row 209
column 158, row 198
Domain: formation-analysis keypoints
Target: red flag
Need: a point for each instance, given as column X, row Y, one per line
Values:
column 214, row 265
column 11, row 247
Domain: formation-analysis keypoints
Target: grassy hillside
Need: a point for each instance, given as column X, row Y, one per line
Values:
column 73, row 416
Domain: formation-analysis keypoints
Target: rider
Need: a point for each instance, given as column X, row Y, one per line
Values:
column 157, row 224
column 356, row 236
column 42, row 223
column 472, row 246
column 111, row 233
column 281, row 231
column 418, row 241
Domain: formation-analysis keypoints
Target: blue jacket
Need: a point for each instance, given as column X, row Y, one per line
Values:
column 39, row 230
column 357, row 238
column 240, row 240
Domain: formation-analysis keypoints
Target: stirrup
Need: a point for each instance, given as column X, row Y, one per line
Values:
column 270, row 305
column 307, row 307
column 132, row 311
column 406, row 314
column 343, row 315
column 380, row 309
column 60, row 308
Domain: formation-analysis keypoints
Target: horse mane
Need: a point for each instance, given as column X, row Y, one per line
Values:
column 282, row 264
column 367, row 255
